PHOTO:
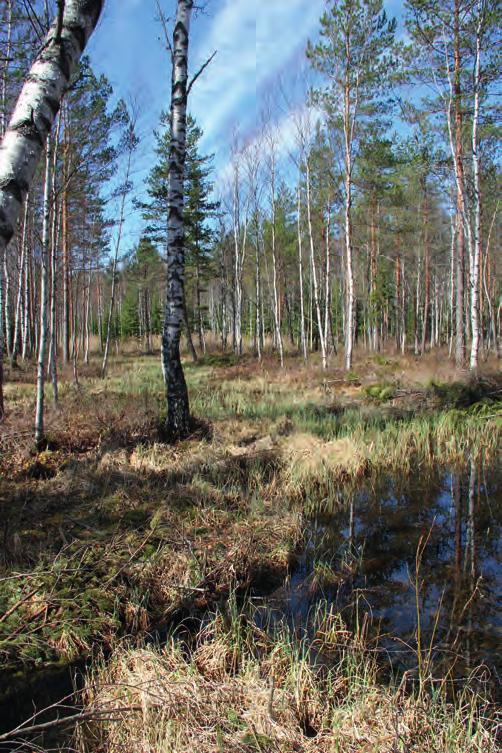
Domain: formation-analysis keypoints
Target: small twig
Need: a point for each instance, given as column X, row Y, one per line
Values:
column 187, row 588
column 133, row 555
column 17, row 604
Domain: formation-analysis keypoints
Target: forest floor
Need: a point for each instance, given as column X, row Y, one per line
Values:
column 110, row 532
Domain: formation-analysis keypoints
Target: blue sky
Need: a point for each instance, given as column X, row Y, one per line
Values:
column 258, row 42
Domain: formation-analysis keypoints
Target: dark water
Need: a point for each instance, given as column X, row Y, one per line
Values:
column 361, row 560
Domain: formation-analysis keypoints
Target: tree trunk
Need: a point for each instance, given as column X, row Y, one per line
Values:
column 425, row 316
column 44, row 289
column 475, row 276
column 54, row 253
column 26, row 307
column 66, row 256
column 303, row 338
column 314, row 271
column 349, row 271
column 459, row 167
column 17, row 315
column 275, row 299
column 34, row 113
column 131, row 145
column 327, row 289
column 178, row 409
column 258, row 338
column 5, row 70
column 188, row 332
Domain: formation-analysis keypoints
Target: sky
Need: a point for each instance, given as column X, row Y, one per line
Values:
column 257, row 42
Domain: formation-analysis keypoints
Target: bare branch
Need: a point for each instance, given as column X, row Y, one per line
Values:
column 163, row 20
column 201, row 70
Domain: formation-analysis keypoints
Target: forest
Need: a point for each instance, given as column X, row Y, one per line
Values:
column 250, row 376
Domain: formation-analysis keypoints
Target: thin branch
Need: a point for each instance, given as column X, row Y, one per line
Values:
column 163, row 21
column 34, row 20
column 96, row 715
column 201, row 70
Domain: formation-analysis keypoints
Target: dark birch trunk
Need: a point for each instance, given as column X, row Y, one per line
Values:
column 178, row 409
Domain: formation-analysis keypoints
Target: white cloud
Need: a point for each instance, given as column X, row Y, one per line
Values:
column 286, row 137
column 254, row 41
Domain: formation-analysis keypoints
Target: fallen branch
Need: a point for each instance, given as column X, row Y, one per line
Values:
column 17, row 605
column 97, row 714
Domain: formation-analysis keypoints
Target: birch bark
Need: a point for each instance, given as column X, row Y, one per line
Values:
column 17, row 320
column 178, row 409
column 475, row 276
column 303, row 339
column 275, row 298
column 44, row 299
column 314, row 271
column 37, row 106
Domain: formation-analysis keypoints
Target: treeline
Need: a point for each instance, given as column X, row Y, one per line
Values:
column 366, row 214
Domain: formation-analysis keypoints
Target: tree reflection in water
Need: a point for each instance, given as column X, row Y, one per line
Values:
column 360, row 556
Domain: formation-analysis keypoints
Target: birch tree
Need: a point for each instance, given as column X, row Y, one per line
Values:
column 240, row 226
column 270, row 139
column 178, row 408
column 44, row 299
column 33, row 116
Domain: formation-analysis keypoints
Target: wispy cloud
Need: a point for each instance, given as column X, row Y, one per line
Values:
column 254, row 43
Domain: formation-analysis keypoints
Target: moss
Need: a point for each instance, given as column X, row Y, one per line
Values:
column 380, row 392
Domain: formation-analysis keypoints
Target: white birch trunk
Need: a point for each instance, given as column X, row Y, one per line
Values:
column 275, row 298
column 303, row 338
column 5, row 70
column 258, row 296
column 327, row 284
column 44, row 289
column 54, row 250
column 17, row 318
column 26, row 308
column 7, row 308
column 239, row 255
column 314, row 271
column 475, row 313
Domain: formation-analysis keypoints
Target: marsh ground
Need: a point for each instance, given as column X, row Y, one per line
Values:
column 111, row 535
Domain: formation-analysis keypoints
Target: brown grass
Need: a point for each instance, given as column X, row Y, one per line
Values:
column 241, row 691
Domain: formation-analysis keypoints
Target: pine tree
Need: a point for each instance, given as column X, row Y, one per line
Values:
column 353, row 54
column 199, row 210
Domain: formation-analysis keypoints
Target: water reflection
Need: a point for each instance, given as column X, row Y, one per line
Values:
column 362, row 555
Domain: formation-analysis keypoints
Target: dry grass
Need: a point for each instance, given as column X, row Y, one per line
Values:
column 241, row 691
column 179, row 524
column 118, row 533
